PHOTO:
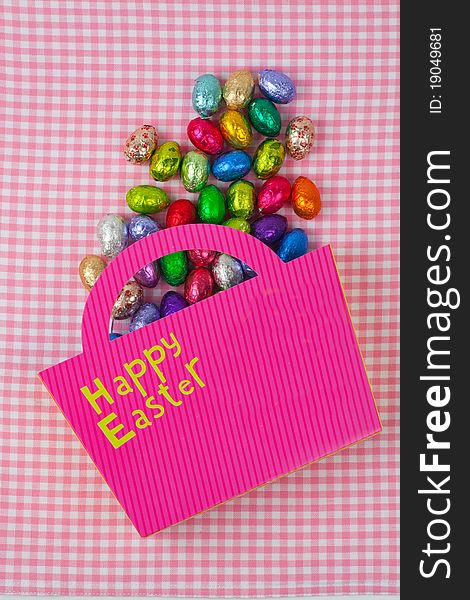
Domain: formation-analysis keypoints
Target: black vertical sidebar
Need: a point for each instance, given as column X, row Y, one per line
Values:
column 435, row 351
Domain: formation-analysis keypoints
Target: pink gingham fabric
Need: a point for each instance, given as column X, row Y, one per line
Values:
column 78, row 78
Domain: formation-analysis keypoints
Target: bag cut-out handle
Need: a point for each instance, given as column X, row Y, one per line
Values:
column 220, row 238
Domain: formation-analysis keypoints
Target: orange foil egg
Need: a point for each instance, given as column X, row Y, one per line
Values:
column 306, row 200
column 205, row 136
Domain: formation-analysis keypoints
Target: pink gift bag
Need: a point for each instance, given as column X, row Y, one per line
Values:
column 221, row 397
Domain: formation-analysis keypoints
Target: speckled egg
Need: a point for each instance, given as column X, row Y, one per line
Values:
column 141, row 144
column 227, row 271
column 264, row 117
column 207, row 95
column 128, row 301
column 236, row 129
column 195, row 170
column 274, row 193
column 165, row 161
column 112, row 235
column 145, row 314
column 241, row 199
column 306, row 200
column 293, row 244
column 269, row 228
column 268, row 159
column 300, row 136
column 238, row 89
column 147, row 199
column 276, row 86
column 231, row 165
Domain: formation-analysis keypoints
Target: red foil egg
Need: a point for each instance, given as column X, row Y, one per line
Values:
column 273, row 194
column 199, row 285
column 180, row 212
column 201, row 258
column 205, row 136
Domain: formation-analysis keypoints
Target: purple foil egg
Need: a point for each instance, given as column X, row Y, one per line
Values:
column 149, row 275
column 146, row 314
column 248, row 272
column 269, row 228
column 276, row 86
column 172, row 302
column 141, row 226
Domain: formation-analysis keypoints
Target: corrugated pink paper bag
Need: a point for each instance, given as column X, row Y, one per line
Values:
column 223, row 396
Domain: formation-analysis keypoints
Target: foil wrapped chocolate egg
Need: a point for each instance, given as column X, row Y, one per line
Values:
column 141, row 144
column 171, row 302
column 207, row 95
column 90, row 269
column 248, row 272
column 141, row 226
column 273, row 194
column 114, row 336
column 236, row 129
column 306, row 200
column 227, row 271
column 211, row 205
column 112, row 235
column 264, row 117
column 147, row 199
column 199, row 285
column 276, row 86
column 238, row 223
column 238, row 89
column 268, row 159
column 174, row 268
column 269, row 228
column 128, row 301
column 292, row 245
column 165, row 161
column 149, row 275
column 201, row 258
column 145, row 314
column 231, row 165
column 180, row 212
column 300, row 135
column 195, row 170
column 241, row 199
column 205, row 135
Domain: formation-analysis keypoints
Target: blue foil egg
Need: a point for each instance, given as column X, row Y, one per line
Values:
column 114, row 336
column 248, row 272
column 292, row 245
column 231, row 165
column 207, row 95
column 276, row 86
column 141, row 226
column 146, row 314
column 172, row 302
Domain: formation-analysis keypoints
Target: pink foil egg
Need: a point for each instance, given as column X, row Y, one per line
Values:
column 273, row 194
column 201, row 258
column 205, row 135
column 199, row 285
column 141, row 144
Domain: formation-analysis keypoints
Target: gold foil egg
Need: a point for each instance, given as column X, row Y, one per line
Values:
column 238, row 89
column 90, row 269
column 306, row 200
column 300, row 136
column 140, row 145
column 165, row 161
column 236, row 129
column 128, row 301
column 268, row 159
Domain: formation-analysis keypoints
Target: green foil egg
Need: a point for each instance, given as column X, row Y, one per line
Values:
column 195, row 170
column 241, row 199
column 165, row 161
column 211, row 205
column 147, row 199
column 264, row 117
column 237, row 223
column 268, row 158
column 174, row 268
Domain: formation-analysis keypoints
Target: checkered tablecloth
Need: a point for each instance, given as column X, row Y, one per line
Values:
column 79, row 76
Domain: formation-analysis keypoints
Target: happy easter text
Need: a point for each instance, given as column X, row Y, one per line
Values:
column 132, row 382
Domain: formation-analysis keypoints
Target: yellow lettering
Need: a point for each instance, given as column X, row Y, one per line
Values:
column 175, row 344
column 135, row 376
column 190, row 367
column 150, row 403
column 163, row 391
column 93, row 397
column 123, row 388
column 156, row 361
column 111, row 433
column 183, row 385
column 142, row 422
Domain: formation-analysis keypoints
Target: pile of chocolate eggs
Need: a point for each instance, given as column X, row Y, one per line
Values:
column 201, row 273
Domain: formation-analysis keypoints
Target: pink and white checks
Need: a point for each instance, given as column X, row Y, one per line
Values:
column 79, row 77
